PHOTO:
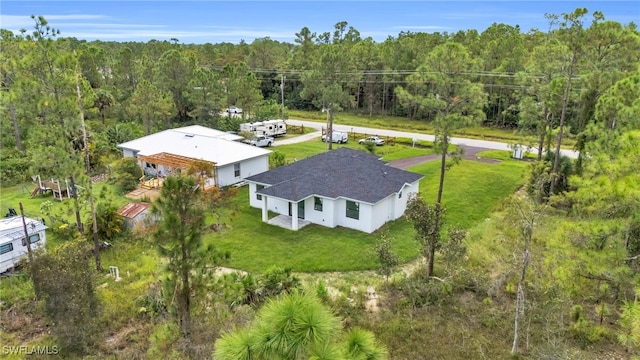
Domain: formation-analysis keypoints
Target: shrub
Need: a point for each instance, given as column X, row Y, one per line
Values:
column 370, row 146
column 125, row 174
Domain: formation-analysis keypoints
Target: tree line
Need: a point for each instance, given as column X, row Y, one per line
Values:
column 541, row 82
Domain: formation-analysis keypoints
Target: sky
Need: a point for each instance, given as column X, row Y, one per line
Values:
column 213, row 21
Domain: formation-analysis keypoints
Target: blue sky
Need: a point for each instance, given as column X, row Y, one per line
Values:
column 232, row 21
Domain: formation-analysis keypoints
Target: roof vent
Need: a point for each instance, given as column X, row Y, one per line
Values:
column 189, row 135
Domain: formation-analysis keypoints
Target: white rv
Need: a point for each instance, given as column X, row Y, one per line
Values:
column 273, row 128
column 13, row 245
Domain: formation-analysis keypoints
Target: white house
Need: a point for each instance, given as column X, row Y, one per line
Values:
column 342, row 187
column 13, row 245
column 164, row 152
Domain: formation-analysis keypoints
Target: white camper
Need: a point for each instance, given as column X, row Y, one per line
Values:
column 273, row 128
column 13, row 245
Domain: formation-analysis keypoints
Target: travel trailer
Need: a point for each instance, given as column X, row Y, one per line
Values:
column 273, row 128
column 13, row 245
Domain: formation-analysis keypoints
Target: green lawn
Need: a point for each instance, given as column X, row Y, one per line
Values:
column 254, row 245
column 305, row 149
column 472, row 191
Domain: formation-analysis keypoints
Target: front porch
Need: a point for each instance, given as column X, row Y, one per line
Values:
column 285, row 221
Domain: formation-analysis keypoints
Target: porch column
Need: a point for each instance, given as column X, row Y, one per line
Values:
column 294, row 216
column 265, row 211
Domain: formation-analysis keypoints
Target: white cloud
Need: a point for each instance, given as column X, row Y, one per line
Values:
column 25, row 21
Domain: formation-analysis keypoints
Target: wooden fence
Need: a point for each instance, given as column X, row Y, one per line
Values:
column 295, row 129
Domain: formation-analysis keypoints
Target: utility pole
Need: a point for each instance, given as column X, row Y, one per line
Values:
column 26, row 234
column 282, row 77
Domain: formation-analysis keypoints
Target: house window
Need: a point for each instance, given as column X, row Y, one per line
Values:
column 32, row 239
column 317, row 203
column 5, row 248
column 353, row 210
column 236, row 170
column 258, row 188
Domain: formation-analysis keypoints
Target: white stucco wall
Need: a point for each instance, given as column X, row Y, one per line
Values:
column 401, row 203
column 334, row 210
column 362, row 224
column 128, row 153
column 325, row 217
column 249, row 167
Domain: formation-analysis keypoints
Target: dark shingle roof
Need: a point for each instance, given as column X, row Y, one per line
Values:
column 342, row 172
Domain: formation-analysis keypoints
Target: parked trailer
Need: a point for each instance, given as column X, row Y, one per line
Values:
column 273, row 128
column 13, row 245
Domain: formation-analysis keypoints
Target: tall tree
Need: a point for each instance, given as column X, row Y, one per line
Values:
column 572, row 35
column 87, row 163
column 325, row 84
column 205, row 92
column 611, row 52
column 9, row 78
column 179, row 240
column 539, row 99
column 441, row 85
column 149, row 105
column 174, row 74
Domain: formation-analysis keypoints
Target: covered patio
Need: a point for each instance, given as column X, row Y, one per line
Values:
column 171, row 163
column 286, row 221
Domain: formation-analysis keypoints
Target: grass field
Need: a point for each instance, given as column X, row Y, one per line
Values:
column 472, row 191
column 299, row 151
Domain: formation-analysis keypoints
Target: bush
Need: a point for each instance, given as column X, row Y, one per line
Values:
column 125, row 174
column 370, row 146
column 421, row 292
column 65, row 281
column 540, row 180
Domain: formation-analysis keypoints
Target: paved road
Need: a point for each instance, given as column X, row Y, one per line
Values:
column 474, row 143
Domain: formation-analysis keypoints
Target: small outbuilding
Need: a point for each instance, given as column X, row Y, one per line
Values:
column 137, row 215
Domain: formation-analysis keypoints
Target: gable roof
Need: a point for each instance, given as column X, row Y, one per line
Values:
column 343, row 172
column 196, row 142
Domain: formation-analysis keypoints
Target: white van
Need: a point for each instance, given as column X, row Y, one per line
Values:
column 337, row 137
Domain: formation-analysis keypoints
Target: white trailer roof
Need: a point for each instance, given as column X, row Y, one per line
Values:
column 12, row 227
